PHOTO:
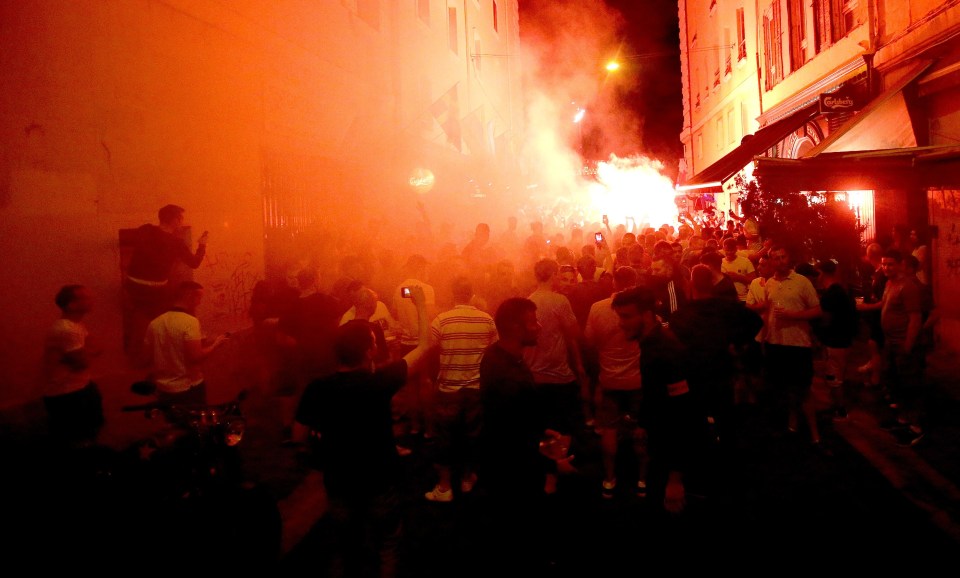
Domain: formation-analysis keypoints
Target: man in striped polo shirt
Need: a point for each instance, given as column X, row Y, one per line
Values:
column 461, row 334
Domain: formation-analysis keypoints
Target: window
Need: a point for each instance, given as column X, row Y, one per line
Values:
column 452, row 29
column 741, row 36
column 822, row 25
column 773, row 45
column 832, row 19
column 798, row 34
column 699, row 145
column 696, row 79
column 719, row 140
column 423, row 10
column 848, row 17
column 496, row 18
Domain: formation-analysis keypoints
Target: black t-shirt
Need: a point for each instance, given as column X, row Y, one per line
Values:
column 725, row 288
column 839, row 323
column 155, row 251
column 312, row 321
column 513, row 424
column 675, row 423
column 708, row 327
column 271, row 300
column 582, row 296
column 351, row 413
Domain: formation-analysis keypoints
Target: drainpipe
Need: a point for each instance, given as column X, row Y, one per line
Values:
column 756, row 51
column 871, row 48
column 466, row 48
column 692, row 170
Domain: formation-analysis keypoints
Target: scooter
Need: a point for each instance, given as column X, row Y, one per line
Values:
column 195, row 452
column 175, row 500
column 204, row 510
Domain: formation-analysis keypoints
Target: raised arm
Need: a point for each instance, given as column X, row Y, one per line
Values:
column 418, row 355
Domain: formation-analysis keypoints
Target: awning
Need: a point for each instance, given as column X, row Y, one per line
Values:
column 883, row 124
column 903, row 168
column 751, row 146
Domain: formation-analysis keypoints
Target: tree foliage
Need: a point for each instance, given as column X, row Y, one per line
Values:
column 812, row 225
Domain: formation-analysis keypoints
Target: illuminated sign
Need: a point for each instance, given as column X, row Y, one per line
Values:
column 840, row 101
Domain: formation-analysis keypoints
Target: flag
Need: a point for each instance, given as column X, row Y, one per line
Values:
column 472, row 127
column 447, row 112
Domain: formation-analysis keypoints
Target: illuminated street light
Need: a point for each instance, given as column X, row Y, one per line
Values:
column 579, row 116
column 612, row 66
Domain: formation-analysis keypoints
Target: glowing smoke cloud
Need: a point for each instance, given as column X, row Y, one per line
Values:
column 564, row 74
column 632, row 187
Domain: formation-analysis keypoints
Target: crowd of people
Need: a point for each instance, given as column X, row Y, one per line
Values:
column 503, row 352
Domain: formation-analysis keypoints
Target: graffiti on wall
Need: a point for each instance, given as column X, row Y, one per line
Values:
column 945, row 216
column 234, row 278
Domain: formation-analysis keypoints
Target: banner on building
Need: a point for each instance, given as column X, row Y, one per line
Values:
column 447, row 112
column 473, row 131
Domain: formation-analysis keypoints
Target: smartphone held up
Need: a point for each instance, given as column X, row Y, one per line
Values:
column 405, row 292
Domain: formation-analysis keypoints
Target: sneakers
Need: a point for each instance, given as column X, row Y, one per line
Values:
column 908, row 437
column 437, row 495
column 607, row 489
column 467, row 483
column 403, row 451
column 641, row 488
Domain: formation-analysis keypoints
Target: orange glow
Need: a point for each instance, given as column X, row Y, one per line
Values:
column 612, row 66
column 632, row 187
column 623, row 187
column 422, row 180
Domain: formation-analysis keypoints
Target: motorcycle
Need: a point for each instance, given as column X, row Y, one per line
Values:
column 196, row 452
column 176, row 499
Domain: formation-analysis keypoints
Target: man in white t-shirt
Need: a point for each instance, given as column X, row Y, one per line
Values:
column 72, row 401
column 381, row 314
column 739, row 268
column 620, row 393
column 175, row 348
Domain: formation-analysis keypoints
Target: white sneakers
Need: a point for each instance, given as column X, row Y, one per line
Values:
column 466, row 486
column 438, row 495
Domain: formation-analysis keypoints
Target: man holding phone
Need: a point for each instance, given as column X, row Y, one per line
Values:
column 147, row 281
column 413, row 406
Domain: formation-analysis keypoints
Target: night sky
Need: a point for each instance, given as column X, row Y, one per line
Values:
column 649, row 84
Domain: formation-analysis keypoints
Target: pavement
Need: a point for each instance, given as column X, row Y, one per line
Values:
column 867, row 500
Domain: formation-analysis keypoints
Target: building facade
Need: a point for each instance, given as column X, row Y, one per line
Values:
column 265, row 120
column 852, row 97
